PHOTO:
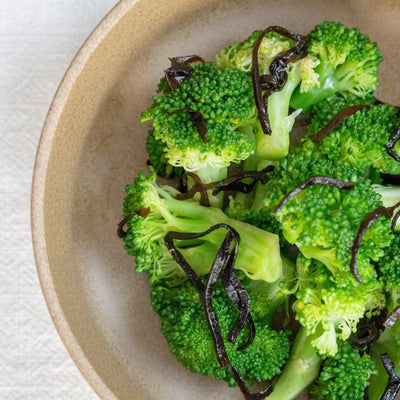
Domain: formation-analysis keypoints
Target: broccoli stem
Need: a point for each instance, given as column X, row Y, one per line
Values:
column 300, row 371
column 187, row 216
column 276, row 145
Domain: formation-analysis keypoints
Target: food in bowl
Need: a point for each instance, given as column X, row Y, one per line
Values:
column 271, row 262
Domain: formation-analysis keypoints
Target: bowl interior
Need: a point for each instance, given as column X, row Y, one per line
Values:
column 93, row 145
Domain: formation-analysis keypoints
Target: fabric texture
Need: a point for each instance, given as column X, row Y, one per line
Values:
column 38, row 40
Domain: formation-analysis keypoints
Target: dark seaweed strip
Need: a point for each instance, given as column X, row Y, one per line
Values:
column 246, row 391
column 178, row 257
column 393, row 386
column 337, row 120
column 230, row 183
column 394, row 222
column 277, row 79
column 220, row 260
column 185, row 60
column 392, row 142
column 392, row 318
column 200, row 187
column 180, row 70
column 361, row 343
column 142, row 211
column 238, row 294
column 198, row 120
column 389, row 179
column 368, row 331
column 365, row 224
column 314, row 180
column 366, row 395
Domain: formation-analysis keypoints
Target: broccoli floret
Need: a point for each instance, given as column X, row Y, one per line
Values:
column 145, row 235
column 347, row 62
column 185, row 328
column 239, row 55
column 158, row 159
column 330, row 310
column 343, row 377
column 360, row 140
column 226, row 101
column 323, row 221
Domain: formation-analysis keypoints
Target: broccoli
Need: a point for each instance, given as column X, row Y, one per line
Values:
column 330, row 310
column 185, row 328
column 225, row 99
column 360, row 140
column 239, row 55
column 145, row 235
column 347, row 62
column 343, row 377
column 325, row 229
column 158, row 159
column 300, row 371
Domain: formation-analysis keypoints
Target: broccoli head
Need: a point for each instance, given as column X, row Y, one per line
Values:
column 347, row 62
column 157, row 152
column 239, row 55
column 163, row 213
column 330, row 310
column 344, row 376
column 323, row 221
column 226, row 102
column 360, row 140
column 185, row 328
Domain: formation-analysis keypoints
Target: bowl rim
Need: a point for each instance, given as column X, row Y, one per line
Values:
column 38, row 190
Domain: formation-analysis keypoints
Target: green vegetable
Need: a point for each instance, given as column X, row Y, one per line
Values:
column 239, row 55
column 317, row 254
column 343, row 377
column 185, row 328
column 225, row 99
column 157, row 152
column 360, row 140
column 347, row 62
column 145, row 237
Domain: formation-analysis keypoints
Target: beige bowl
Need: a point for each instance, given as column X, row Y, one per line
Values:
column 92, row 145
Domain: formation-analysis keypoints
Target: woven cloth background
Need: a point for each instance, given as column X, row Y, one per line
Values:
column 38, row 40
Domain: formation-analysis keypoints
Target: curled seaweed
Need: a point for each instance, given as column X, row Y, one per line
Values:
column 142, row 211
column 278, row 75
column 337, row 120
column 314, row 180
column 245, row 389
column 232, row 183
column 392, row 318
column 232, row 285
column 393, row 386
column 391, row 143
column 180, row 69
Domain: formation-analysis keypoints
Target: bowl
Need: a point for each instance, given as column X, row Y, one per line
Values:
column 92, row 145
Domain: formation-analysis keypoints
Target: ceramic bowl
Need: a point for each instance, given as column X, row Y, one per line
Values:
column 92, row 145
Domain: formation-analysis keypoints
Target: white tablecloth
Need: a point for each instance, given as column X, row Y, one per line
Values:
column 38, row 39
